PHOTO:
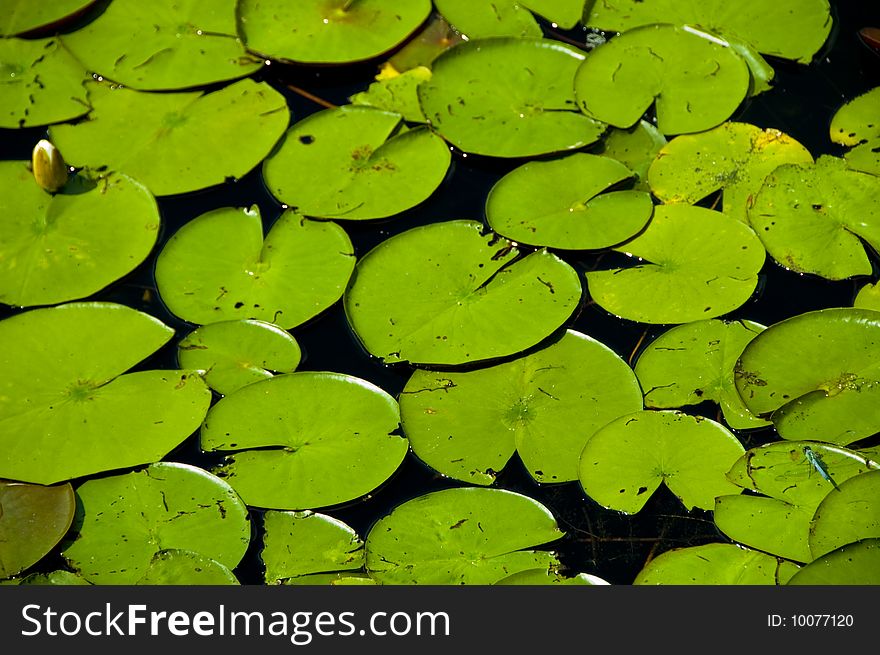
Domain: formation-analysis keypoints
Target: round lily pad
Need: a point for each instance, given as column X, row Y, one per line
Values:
column 857, row 125
column 715, row 564
column 237, row 353
column 485, row 18
column 67, row 410
column 689, row 364
column 20, row 16
column 68, row 245
column 816, row 375
column 694, row 264
column 508, row 97
column 733, row 157
column 219, row 267
column 447, row 293
column 813, row 218
column 572, row 203
column 328, row 31
column 176, row 142
column 635, row 147
column 847, row 515
column 127, row 519
column 624, row 462
column 169, row 46
column 854, row 564
column 184, row 567
column 42, row 83
column 695, row 82
column 868, row 297
column 33, row 519
column 306, row 440
column 545, row 406
column 362, row 169
column 461, row 536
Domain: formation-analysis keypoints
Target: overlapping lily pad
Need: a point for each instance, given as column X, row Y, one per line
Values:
column 175, row 566
column 694, row 264
column 176, row 142
column 692, row 363
column 623, row 463
column 857, row 125
column 20, row 16
column 716, row 564
column 368, row 167
column 694, row 81
column 487, row 18
column 67, row 410
column 868, row 297
column 127, row 519
column 305, row 440
column 733, row 157
column 328, row 31
column 848, row 516
column 397, row 94
column 545, row 406
column 816, row 375
column 508, row 97
column 572, row 203
column 854, row 564
column 64, row 246
column 219, row 267
column 448, row 294
column 635, row 147
column 813, row 218
column 461, row 536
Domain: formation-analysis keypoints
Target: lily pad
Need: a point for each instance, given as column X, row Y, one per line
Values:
column 535, row 577
column 694, row 81
column 237, row 353
column 848, row 516
column 623, row 463
column 635, row 147
column 366, row 170
column 508, row 97
column 398, row 94
column 184, row 567
column 545, row 406
column 447, row 293
column 689, row 364
column 857, row 125
column 461, row 536
column 219, row 267
column 127, row 519
column 733, row 157
column 305, row 440
column 33, row 519
column 868, row 297
column 854, row 564
column 816, row 375
column 328, row 31
column 20, row 16
column 571, row 203
column 434, row 37
column 485, row 18
column 152, row 46
column 715, row 564
column 341, row 579
column 55, row 578
column 67, row 410
column 813, row 218
column 176, row 142
column 68, row 245
column 41, row 83
column 694, row 264
column 302, row 544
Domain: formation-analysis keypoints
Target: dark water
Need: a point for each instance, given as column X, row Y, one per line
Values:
column 598, row 541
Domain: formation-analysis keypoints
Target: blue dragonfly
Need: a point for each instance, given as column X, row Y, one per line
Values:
column 816, row 461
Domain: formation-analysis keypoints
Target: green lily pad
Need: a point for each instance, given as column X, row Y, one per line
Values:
column 857, row 125
column 127, row 519
column 694, row 264
column 20, row 16
column 33, row 519
column 237, row 353
column 854, row 564
column 341, row 579
column 42, row 83
column 461, row 536
column 166, row 46
column 508, row 97
column 816, row 375
column 535, row 577
column 568, row 203
column 303, row 544
column 545, row 406
column 68, row 245
column 635, row 147
column 176, row 142
column 448, row 294
column 715, row 564
column 328, row 31
column 67, row 410
column 434, row 37
column 366, row 170
column 184, row 567
column 813, row 218
column 733, row 157
column 487, row 18
column 694, row 81
column 306, row 440
column 847, row 515
column 55, row 578
column 689, row 364
column 219, row 267
column 397, row 94
column 868, row 297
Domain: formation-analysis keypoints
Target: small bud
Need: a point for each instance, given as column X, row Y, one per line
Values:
column 50, row 171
